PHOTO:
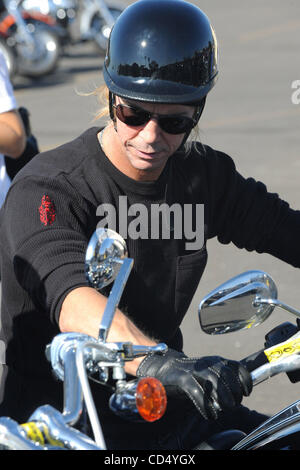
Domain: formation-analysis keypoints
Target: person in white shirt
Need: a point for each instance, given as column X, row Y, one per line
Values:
column 12, row 132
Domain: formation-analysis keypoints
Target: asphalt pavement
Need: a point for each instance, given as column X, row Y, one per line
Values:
column 252, row 114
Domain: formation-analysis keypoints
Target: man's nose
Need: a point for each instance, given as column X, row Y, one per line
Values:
column 151, row 132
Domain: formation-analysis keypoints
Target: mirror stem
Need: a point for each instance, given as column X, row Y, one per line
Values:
column 277, row 303
column 114, row 298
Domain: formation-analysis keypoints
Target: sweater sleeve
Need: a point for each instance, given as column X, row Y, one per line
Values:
column 45, row 222
column 243, row 212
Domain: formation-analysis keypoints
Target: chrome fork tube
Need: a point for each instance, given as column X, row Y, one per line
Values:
column 104, row 10
column 12, row 8
column 72, row 389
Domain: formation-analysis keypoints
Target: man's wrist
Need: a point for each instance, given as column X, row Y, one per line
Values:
column 132, row 366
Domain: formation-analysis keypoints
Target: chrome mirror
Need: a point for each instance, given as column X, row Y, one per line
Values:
column 106, row 262
column 242, row 302
column 105, row 252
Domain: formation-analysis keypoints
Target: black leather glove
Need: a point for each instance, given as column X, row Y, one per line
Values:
column 212, row 383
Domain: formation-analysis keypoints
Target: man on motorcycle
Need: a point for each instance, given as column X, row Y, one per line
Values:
column 158, row 81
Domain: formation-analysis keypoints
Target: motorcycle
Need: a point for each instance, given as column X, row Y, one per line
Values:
column 75, row 357
column 89, row 20
column 29, row 41
column 243, row 302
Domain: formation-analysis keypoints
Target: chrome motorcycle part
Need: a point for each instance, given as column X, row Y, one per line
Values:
column 71, row 438
column 69, row 354
column 114, row 298
column 284, row 424
column 35, row 43
column 9, row 55
column 41, row 58
column 104, row 255
column 106, row 261
column 236, row 304
column 12, row 438
column 101, row 27
column 144, row 398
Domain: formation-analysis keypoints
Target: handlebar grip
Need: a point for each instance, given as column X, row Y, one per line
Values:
column 254, row 361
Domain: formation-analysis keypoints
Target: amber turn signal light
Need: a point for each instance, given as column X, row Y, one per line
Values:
column 151, row 399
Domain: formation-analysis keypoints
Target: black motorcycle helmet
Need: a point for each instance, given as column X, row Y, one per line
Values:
column 162, row 51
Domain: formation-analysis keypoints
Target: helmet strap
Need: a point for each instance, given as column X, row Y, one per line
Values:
column 199, row 109
column 111, row 99
column 197, row 115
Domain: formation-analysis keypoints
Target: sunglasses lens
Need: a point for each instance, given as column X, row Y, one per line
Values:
column 175, row 125
column 131, row 116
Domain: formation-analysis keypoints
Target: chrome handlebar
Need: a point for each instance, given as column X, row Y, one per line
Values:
column 287, row 364
column 73, row 356
column 59, row 430
column 12, row 437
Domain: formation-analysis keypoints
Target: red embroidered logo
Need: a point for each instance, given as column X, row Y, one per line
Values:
column 47, row 211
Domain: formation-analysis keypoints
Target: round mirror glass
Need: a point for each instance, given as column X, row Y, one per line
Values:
column 235, row 304
column 104, row 255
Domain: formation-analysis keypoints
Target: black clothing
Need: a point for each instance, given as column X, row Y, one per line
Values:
column 188, row 431
column 14, row 165
column 229, row 381
column 51, row 212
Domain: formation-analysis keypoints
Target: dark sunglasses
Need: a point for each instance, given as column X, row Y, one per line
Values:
column 136, row 117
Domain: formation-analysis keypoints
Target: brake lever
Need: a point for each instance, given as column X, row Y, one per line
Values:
column 132, row 351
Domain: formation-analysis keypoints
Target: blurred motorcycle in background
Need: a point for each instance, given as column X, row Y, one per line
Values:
column 29, row 40
column 82, row 20
column 33, row 33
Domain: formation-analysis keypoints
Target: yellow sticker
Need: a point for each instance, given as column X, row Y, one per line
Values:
column 33, row 432
column 51, row 440
column 38, row 432
column 282, row 350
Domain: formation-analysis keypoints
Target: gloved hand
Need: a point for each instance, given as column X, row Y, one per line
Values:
column 212, row 383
